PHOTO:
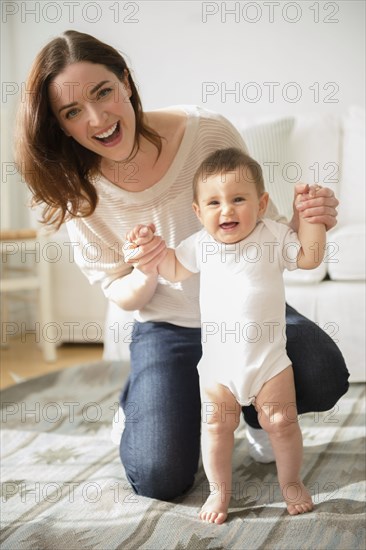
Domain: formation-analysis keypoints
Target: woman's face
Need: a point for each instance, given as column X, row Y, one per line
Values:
column 93, row 107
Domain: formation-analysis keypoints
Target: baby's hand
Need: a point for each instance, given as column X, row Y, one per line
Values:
column 143, row 249
column 309, row 192
column 140, row 234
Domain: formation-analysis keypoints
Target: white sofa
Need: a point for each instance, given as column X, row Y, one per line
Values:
column 327, row 149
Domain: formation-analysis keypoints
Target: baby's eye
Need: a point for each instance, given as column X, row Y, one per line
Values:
column 239, row 199
column 213, row 203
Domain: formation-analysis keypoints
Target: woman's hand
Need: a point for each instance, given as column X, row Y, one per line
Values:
column 144, row 250
column 316, row 204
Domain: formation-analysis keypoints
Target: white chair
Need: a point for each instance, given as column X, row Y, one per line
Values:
column 24, row 268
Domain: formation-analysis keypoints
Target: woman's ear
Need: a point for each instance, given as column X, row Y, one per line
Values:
column 65, row 132
column 126, row 82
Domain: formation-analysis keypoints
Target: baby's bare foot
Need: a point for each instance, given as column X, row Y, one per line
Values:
column 297, row 498
column 214, row 509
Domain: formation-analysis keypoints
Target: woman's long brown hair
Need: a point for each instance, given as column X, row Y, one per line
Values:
column 58, row 170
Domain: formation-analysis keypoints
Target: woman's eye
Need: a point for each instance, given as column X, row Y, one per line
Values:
column 72, row 113
column 104, row 92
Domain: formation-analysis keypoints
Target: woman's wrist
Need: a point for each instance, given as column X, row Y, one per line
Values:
column 145, row 279
column 133, row 291
column 142, row 288
column 294, row 223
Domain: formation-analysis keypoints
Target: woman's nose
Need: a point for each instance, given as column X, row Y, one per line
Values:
column 96, row 116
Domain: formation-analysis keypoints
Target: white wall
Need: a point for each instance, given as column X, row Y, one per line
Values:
column 313, row 51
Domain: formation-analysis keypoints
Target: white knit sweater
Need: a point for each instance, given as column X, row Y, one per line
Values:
column 99, row 238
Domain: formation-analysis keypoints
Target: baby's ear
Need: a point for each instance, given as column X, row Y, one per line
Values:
column 263, row 203
column 196, row 210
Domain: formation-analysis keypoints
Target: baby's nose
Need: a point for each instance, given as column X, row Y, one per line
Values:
column 227, row 208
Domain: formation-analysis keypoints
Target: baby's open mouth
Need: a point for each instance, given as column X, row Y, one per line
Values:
column 228, row 225
column 109, row 135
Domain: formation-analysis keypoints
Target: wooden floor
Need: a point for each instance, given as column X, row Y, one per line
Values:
column 23, row 360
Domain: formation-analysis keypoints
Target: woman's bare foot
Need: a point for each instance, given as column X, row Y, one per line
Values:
column 297, row 498
column 215, row 508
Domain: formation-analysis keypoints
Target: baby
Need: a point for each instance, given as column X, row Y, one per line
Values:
column 241, row 256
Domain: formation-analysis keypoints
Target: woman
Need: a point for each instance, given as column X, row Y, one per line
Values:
column 98, row 162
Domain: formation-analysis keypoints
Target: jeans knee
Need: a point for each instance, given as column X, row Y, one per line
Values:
column 328, row 385
column 156, row 482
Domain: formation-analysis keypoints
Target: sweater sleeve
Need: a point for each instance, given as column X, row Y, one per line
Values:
column 100, row 261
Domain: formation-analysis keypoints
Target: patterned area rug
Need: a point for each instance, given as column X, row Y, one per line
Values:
column 63, row 486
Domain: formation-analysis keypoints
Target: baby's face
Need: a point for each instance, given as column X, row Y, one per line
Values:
column 229, row 206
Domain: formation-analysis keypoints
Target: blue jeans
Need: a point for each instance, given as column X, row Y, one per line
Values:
column 161, row 442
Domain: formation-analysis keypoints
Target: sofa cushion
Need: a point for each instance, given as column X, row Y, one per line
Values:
column 315, row 146
column 305, row 276
column 353, row 179
column 268, row 144
column 297, row 149
column 345, row 256
column 336, row 307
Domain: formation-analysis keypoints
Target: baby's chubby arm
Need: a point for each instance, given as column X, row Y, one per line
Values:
column 169, row 267
column 312, row 237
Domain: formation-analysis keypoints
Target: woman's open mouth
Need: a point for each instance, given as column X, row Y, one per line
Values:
column 109, row 137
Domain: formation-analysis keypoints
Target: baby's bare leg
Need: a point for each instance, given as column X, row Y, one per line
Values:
column 276, row 404
column 220, row 418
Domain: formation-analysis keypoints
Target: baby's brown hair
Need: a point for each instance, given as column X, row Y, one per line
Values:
column 228, row 160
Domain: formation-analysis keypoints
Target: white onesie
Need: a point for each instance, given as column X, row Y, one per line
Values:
column 242, row 301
